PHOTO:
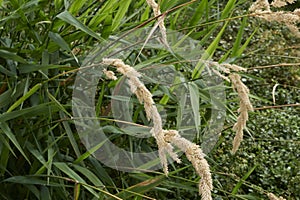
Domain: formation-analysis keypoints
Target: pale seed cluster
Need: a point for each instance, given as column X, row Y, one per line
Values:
column 109, row 74
column 273, row 197
column 195, row 155
column 281, row 3
column 156, row 10
column 243, row 93
column 226, row 68
column 245, row 106
column 262, row 9
column 165, row 138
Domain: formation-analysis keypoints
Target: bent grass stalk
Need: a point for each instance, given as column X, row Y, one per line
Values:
column 243, row 94
column 156, row 10
column 245, row 106
column 165, row 138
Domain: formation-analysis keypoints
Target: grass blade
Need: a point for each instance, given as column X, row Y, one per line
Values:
column 27, row 68
column 67, row 170
column 11, row 56
column 90, row 175
column 208, row 53
column 239, row 184
column 67, row 17
column 194, row 95
column 41, row 109
column 62, row 43
column 243, row 47
column 7, row 131
column 228, row 9
column 7, row 72
column 23, row 98
column 123, row 7
column 238, row 39
column 70, row 135
column 141, row 188
column 4, row 154
column 199, row 12
column 59, row 105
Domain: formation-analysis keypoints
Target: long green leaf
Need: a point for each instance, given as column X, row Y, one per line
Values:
column 194, row 96
column 12, row 93
column 29, row 180
column 62, row 43
column 11, row 56
column 45, row 193
column 76, row 6
column 59, row 41
column 67, row 17
column 90, row 175
column 89, row 152
column 61, row 107
column 199, row 12
column 106, row 11
column 208, row 53
column 7, row 72
column 244, row 46
column 72, row 174
column 70, row 134
column 228, row 9
column 4, row 154
column 23, row 98
column 239, row 37
column 27, row 68
column 240, row 183
column 7, row 131
column 38, row 110
column 123, row 7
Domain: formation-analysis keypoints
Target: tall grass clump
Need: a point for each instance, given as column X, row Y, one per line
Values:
column 43, row 44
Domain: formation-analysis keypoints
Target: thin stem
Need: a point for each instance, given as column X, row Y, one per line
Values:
column 275, row 65
column 278, row 106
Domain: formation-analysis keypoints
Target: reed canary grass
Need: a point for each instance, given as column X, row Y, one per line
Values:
column 165, row 138
column 195, row 155
column 226, row 68
column 144, row 96
column 244, row 107
column 262, row 9
column 156, row 10
column 281, row 3
column 243, row 93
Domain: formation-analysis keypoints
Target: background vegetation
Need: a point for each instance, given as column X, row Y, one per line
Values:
column 42, row 44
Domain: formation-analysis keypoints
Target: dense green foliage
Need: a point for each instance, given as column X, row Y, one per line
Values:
column 43, row 44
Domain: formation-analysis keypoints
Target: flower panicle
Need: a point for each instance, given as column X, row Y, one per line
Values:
column 166, row 138
column 156, row 10
column 281, row 3
column 274, row 197
column 262, row 9
column 195, row 155
column 225, row 68
column 245, row 106
column 109, row 74
column 145, row 96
